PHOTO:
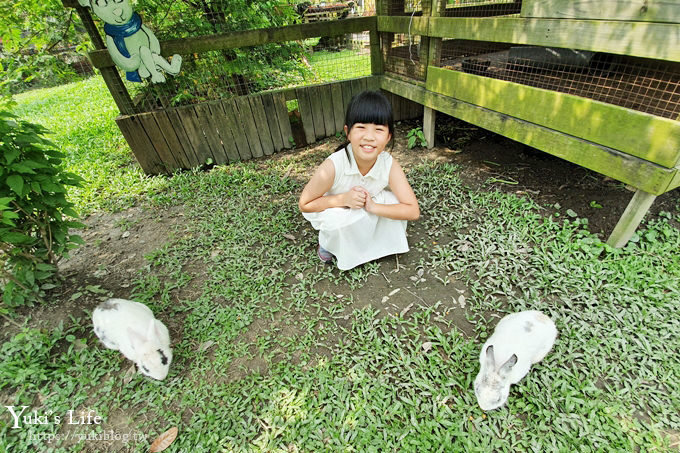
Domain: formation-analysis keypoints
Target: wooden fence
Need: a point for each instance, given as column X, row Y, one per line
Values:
column 244, row 127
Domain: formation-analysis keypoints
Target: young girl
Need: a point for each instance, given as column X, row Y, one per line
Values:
column 358, row 219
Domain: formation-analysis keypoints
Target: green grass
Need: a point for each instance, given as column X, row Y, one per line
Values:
column 81, row 117
column 269, row 360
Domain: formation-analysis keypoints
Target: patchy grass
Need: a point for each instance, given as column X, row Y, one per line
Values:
column 265, row 361
column 80, row 117
column 276, row 352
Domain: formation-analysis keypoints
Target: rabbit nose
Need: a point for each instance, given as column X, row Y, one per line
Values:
column 118, row 11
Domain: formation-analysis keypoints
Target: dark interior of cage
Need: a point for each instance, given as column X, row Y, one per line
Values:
column 650, row 86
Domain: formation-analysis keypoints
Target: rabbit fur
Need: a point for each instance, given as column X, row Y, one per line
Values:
column 519, row 340
column 131, row 328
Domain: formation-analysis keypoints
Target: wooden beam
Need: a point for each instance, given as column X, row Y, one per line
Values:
column 631, row 218
column 630, row 10
column 404, row 24
column 647, row 40
column 649, row 137
column 247, row 38
column 623, row 167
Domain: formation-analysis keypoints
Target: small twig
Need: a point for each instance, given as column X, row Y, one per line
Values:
column 12, row 321
column 415, row 295
column 385, row 276
column 397, row 269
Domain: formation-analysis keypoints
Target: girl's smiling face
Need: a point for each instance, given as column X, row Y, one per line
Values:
column 368, row 140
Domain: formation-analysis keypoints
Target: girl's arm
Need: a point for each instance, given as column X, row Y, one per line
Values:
column 407, row 208
column 312, row 198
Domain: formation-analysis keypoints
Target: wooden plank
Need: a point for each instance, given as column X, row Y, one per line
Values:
column 261, row 124
column 178, row 126
column 195, row 134
column 171, row 138
column 281, row 110
column 631, row 10
column 376, row 54
column 623, row 167
column 327, row 107
column 272, row 120
column 140, row 145
column 306, row 114
column 631, row 218
column 244, row 117
column 338, row 103
column 153, row 132
column 357, row 87
column 225, row 130
column 212, row 135
column 231, row 116
column 647, row 40
column 346, row 94
column 640, row 134
column 401, row 24
column 247, row 38
column 317, row 112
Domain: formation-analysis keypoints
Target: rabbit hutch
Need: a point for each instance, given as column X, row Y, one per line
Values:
column 594, row 83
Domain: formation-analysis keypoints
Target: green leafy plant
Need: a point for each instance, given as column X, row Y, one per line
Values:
column 34, row 224
column 416, row 138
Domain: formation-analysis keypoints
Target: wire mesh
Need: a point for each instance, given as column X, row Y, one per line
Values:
column 402, row 55
column 404, row 8
column 236, row 72
column 645, row 85
column 481, row 8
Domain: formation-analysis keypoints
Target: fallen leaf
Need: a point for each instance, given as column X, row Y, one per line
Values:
column 289, row 236
column 405, row 310
column 129, row 374
column 206, row 345
column 394, row 291
column 427, row 346
column 385, row 299
column 164, row 440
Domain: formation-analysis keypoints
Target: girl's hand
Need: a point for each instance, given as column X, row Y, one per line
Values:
column 355, row 198
column 369, row 205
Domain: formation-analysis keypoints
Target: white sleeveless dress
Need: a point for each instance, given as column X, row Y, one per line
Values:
column 355, row 236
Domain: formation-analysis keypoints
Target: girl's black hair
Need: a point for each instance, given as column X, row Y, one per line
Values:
column 368, row 107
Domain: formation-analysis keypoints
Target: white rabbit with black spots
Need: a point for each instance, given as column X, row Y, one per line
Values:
column 519, row 340
column 131, row 328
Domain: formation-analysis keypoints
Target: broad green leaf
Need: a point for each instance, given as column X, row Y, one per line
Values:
column 16, row 183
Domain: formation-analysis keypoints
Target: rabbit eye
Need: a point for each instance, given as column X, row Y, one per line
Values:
column 164, row 359
column 145, row 369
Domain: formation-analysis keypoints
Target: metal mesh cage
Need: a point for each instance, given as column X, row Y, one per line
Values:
column 404, row 8
column 481, row 8
column 649, row 86
column 402, row 55
column 224, row 74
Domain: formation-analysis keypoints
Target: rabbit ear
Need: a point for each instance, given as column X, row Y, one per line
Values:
column 151, row 329
column 490, row 360
column 136, row 339
column 507, row 366
column 84, row 3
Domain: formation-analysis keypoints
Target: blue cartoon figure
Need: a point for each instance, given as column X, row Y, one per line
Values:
column 132, row 46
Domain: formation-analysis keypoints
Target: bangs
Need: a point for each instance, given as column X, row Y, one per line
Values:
column 369, row 107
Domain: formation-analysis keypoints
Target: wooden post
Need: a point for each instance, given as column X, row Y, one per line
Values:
column 428, row 125
column 631, row 218
column 109, row 74
column 432, row 53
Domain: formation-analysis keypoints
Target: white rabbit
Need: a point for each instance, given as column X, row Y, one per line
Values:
column 131, row 328
column 519, row 340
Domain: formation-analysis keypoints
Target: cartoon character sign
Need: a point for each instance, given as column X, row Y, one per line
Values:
column 133, row 47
